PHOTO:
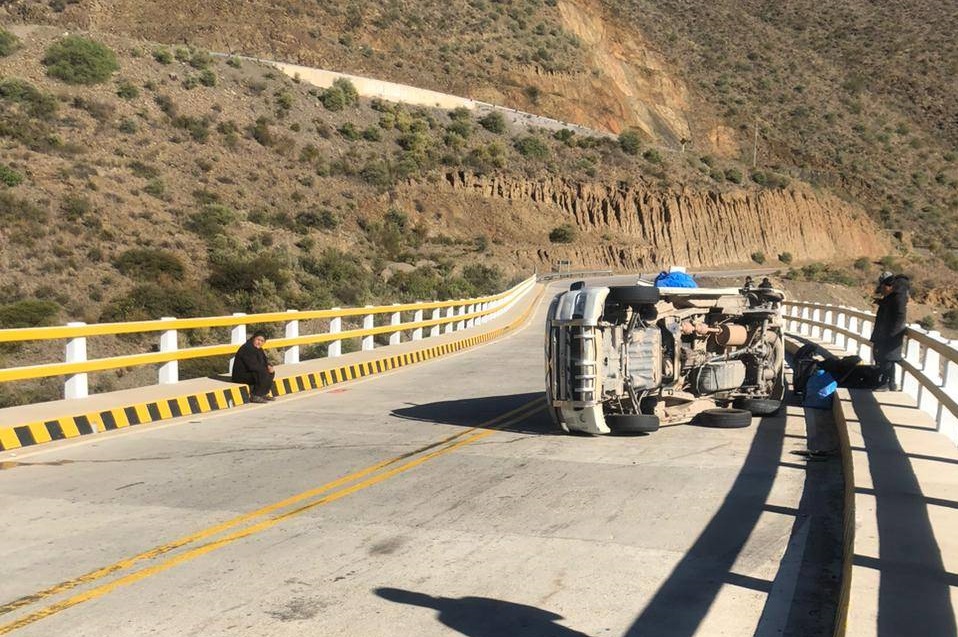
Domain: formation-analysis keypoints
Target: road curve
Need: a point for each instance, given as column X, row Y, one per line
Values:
column 435, row 500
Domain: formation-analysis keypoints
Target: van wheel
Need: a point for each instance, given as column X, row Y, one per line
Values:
column 632, row 423
column 724, row 418
column 759, row 406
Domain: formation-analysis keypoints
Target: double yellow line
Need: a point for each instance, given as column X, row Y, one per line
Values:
column 273, row 514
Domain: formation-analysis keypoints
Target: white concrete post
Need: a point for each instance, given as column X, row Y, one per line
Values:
column 468, row 310
column 803, row 327
column 417, row 318
column 291, row 355
column 909, row 383
column 450, row 326
column 865, row 348
column 482, row 308
column 237, row 336
column 435, row 329
column 947, row 421
column 828, row 334
column 841, row 321
column 816, row 330
column 395, row 338
column 461, row 325
column 169, row 371
column 76, row 384
column 369, row 322
column 335, row 327
column 931, row 367
column 854, row 346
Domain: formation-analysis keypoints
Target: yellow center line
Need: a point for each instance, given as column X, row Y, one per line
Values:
column 497, row 423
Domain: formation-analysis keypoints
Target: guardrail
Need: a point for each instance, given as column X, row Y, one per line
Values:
column 929, row 371
column 445, row 317
column 553, row 276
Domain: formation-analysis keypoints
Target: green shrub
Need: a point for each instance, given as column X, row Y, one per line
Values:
column 652, row 156
column 76, row 207
column 155, row 188
column 533, row 93
column 198, row 128
column 862, row 263
column 733, row 175
column 950, row 319
column 340, row 95
column 207, row 77
column 28, row 313
column 323, row 219
column 127, row 90
column 758, row 257
column 565, row 233
column 261, row 132
column 8, row 42
column 77, row 60
column 163, row 56
column 234, row 62
column 9, row 177
column 377, row 173
column 211, row 220
column 37, row 104
column 785, row 257
column 240, row 275
column 200, row 60
column 630, row 142
column 532, row 147
column 494, row 122
column 149, row 264
column 372, row 134
column 349, row 131
column 148, row 301
column 927, row 322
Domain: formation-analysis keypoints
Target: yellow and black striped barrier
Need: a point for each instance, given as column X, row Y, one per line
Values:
column 15, row 437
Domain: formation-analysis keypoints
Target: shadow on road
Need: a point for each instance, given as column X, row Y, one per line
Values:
column 914, row 583
column 484, row 617
column 480, row 412
column 682, row 601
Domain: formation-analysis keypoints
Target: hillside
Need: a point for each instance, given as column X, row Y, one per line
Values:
column 852, row 96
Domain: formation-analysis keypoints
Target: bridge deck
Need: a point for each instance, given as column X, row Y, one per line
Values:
column 414, row 503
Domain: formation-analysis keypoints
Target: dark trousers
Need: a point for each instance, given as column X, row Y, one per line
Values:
column 885, row 361
column 260, row 382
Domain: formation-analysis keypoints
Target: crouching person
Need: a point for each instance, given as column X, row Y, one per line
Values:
column 251, row 367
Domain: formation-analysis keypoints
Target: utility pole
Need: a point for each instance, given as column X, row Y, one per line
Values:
column 755, row 147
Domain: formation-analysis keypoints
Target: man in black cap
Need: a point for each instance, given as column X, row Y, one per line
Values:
column 251, row 367
column 889, row 331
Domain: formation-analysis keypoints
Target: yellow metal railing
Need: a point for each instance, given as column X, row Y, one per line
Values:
column 459, row 314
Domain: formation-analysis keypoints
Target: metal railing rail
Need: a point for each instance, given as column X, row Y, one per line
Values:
column 928, row 373
column 446, row 316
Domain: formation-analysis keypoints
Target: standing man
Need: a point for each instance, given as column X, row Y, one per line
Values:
column 251, row 367
column 889, row 329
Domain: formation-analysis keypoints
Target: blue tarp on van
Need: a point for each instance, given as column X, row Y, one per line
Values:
column 675, row 280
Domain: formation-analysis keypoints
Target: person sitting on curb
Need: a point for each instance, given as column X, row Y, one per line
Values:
column 251, row 367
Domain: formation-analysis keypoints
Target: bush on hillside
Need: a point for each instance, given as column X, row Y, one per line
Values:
column 785, row 257
column 563, row 234
column 28, row 313
column 532, row 147
column 9, row 177
column 340, row 95
column 950, row 319
column 758, row 257
column 8, row 43
column 237, row 276
column 149, row 301
column 494, row 122
column 149, row 264
column 77, row 60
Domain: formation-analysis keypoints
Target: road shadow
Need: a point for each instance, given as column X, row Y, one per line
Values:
column 483, row 616
column 682, row 601
column 482, row 412
column 914, row 584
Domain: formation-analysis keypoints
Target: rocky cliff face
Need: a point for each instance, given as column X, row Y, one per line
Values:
column 639, row 227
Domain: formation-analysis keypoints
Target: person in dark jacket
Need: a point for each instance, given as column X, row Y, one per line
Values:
column 889, row 331
column 251, row 367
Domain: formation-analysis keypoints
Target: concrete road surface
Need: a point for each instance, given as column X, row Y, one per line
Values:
column 435, row 500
